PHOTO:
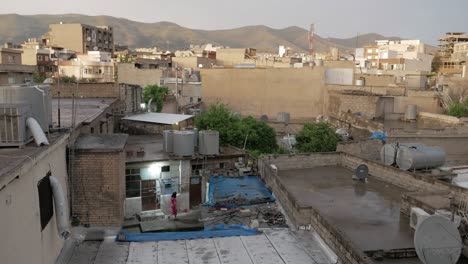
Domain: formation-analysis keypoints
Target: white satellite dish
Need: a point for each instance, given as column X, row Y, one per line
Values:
column 95, row 48
column 88, row 38
column 437, row 241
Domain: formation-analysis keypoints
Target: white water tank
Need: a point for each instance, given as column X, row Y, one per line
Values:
column 168, row 139
column 195, row 134
column 208, row 142
column 183, row 143
column 415, row 158
column 411, row 112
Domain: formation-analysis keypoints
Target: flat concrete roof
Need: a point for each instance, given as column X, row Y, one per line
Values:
column 367, row 213
column 87, row 110
column 158, row 118
column 272, row 246
column 103, row 142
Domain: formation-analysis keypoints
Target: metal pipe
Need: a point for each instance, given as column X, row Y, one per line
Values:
column 36, row 130
column 60, row 208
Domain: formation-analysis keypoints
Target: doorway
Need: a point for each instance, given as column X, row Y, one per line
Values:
column 149, row 199
column 195, row 191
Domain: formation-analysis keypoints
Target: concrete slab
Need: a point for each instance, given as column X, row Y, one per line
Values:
column 143, row 252
column 360, row 210
column 183, row 222
column 275, row 246
column 112, row 252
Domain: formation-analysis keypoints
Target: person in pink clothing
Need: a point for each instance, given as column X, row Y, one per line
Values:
column 174, row 204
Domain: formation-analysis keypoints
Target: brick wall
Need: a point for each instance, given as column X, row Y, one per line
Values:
column 86, row 90
column 99, row 188
column 364, row 104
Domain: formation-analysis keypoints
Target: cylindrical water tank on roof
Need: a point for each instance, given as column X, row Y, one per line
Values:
column 168, row 140
column 389, row 151
column 411, row 112
column 183, row 143
column 419, row 157
column 208, row 142
column 195, row 134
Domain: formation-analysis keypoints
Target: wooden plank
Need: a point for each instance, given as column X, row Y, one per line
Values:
column 261, row 250
column 288, row 247
column 172, row 252
column 143, row 252
column 112, row 252
column 202, row 251
column 231, row 250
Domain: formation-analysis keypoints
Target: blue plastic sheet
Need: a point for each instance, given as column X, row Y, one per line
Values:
column 379, row 136
column 212, row 232
column 237, row 191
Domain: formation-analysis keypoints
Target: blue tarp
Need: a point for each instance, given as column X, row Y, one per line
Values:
column 379, row 136
column 216, row 231
column 237, row 191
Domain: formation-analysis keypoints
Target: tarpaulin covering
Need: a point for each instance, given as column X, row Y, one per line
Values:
column 237, row 191
column 212, row 232
column 379, row 136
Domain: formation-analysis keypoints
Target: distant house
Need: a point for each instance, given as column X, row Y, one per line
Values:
column 12, row 71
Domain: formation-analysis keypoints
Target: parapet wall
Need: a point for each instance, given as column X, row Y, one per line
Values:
column 86, row 90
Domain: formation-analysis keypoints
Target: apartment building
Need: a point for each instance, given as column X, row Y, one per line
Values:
column 12, row 71
column 80, row 37
column 95, row 65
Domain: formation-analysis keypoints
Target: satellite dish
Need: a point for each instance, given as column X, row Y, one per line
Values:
column 95, row 48
column 362, row 171
column 437, row 241
column 88, row 38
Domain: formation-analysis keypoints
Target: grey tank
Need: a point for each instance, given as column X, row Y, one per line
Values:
column 208, row 142
column 389, row 151
column 420, row 157
column 183, row 143
column 168, row 139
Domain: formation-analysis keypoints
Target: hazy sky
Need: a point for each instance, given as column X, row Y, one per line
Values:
column 421, row 19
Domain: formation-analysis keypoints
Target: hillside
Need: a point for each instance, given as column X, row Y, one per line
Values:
column 165, row 35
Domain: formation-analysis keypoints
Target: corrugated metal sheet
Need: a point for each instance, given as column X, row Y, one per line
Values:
column 158, row 118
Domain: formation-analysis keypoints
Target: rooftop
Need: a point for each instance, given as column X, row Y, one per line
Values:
column 110, row 142
column 273, row 246
column 87, row 110
column 158, row 118
column 359, row 210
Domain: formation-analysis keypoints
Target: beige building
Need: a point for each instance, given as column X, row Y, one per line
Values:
column 80, row 37
column 95, row 65
column 12, row 71
column 230, row 57
column 130, row 73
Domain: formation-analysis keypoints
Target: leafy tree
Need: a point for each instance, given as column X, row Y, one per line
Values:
column 157, row 93
column 257, row 137
column 318, row 137
column 38, row 78
column 436, row 63
column 458, row 109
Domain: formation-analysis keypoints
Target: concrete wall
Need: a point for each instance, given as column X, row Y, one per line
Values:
column 340, row 102
column 20, row 224
column 99, row 188
column 86, row 90
column 366, row 149
column 69, row 36
column 128, row 73
column 259, row 92
column 426, row 101
column 376, row 80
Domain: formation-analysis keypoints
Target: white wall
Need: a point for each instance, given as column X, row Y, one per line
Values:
column 342, row 76
column 20, row 225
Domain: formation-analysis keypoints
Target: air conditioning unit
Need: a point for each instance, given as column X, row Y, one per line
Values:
column 417, row 216
column 13, row 131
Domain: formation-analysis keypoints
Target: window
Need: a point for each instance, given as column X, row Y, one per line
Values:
column 46, row 58
column 39, row 57
column 369, row 57
column 221, row 165
column 46, row 208
column 369, row 50
column 191, row 99
column 132, row 183
column 92, row 130
column 165, row 168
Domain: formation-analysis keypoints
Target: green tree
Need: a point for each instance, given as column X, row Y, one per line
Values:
column 38, row 78
column 256, row 136
column 157, row 93
column 458, row 109
column 436, row 63
column 318, row 137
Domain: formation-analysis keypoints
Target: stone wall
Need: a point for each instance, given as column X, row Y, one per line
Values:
column 99, row 188
column 341, row 102
column 367, row 149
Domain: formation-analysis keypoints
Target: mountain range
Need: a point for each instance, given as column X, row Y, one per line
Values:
column 166, row 35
